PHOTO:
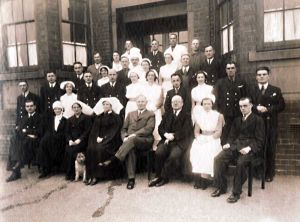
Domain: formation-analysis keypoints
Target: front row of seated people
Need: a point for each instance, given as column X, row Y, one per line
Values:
column 208, row 158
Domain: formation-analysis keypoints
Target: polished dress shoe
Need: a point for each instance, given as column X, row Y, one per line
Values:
column 14, row 176
column 88, row 181
column 154, row 181
column 162, row 182
column 130, row 184
column 217, row 193
column 233, row 198
column 269, row 179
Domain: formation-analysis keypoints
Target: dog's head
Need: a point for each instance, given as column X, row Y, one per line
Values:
column 80, row 158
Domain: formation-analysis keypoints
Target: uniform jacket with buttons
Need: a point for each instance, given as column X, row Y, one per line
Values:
column 118, row 91
column 214, row 71
column 49, row 96
column 31, row 125
column 157, row 60
column 272, row 100
column 228, row 94
column 21, row 111
column 89, row 96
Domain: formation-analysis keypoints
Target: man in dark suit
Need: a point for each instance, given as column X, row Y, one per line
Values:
column 136, row 134
column 197, row 57
column 95, row 68
column 114, row 88
column 212, row 66
column 77, row 79
column 228, row 92
column 178, row 89
column 267, row 103
column 89, row 93
column 156, row 57
column 175, row 130
column 187, row 73
column 21, row 113
column 123, row 74
column 245, row 141
column 50, row 92
column 29, row 133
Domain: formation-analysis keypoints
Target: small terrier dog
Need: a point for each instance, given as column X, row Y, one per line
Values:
column 80, row 169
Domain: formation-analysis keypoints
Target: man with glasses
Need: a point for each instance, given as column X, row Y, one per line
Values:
column 267, row 103
column 244, row 142
column 29, row 133
column 156, row 57
column 228, row 92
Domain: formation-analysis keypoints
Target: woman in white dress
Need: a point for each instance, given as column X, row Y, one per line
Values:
column 68, row 99
column 207, row 143
column 133, row 90
column 116, row 64
column 199, row 92
column 146, row 64
column 165, row 73
column 154, row 95
column 104, row 76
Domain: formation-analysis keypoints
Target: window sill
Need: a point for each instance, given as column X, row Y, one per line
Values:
column 272, row 54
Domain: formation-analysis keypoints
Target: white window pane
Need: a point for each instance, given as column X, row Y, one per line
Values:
column 81, row 55
column 273, row 27
column 292, row 4
column 21, row 33
column 12, row 56
column 22, row 55
column 224, row 41
column 231, row 38
column 68, row 54
column 11, row 34
column 6, row 11
column 270, row 5
column 292, row 24
column 32, row 54
column 183, row 36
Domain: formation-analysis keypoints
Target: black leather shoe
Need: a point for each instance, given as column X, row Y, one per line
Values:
column 130, row 184
column 269, row 179
column 233, row 198
column 43, row 175
column 198, row 185
column 154, row 181
column 217, row 193
column 14, row 176
column 162, row 182
column 88, row 181
column 94, row 182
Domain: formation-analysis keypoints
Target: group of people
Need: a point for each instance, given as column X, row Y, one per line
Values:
column 188, row 108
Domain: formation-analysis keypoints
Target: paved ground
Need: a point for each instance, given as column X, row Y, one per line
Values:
column 54, row 199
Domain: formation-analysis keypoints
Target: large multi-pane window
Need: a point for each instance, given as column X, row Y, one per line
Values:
column 19, row 32
column 74, row 31
column 226, row 24
column 281, row 20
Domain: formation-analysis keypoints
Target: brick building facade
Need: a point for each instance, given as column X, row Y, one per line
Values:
column 238, row 29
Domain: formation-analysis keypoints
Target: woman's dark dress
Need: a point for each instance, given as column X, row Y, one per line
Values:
column 106, row 126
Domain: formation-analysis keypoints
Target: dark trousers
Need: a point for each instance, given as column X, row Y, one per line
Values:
column 127, row 152
column 221, row 162
column 167, row 159
column 271, row 151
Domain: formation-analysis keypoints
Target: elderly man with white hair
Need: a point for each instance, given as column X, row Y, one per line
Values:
column 175, row 130
column 136, row 134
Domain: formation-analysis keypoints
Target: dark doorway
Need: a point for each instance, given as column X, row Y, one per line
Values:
column 141, row 33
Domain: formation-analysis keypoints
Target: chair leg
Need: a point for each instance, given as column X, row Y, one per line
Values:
column 250, row 180
column 149, row 164
column 263, row 176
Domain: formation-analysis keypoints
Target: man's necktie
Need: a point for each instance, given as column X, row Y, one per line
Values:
column 184, row 70
column 244, row 118
column 262, row 90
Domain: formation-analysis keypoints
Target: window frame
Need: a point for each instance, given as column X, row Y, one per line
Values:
column 87, row 34
column 266, row 46
column 6, row 45
column 227, row 27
